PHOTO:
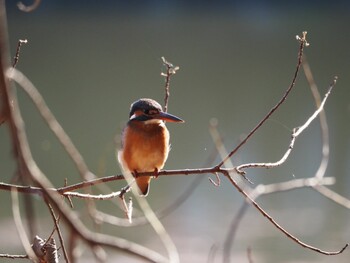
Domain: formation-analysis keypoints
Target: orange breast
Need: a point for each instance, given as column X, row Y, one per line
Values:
column 145, row 147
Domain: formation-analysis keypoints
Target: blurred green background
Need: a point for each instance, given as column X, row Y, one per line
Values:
column 91, row 59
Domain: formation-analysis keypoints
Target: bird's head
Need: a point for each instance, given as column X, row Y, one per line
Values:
column 149, row 111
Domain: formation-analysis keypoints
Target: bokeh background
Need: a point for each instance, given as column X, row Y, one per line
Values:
column 91, row 59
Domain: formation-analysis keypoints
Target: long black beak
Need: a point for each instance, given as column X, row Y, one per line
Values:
column 167, row 117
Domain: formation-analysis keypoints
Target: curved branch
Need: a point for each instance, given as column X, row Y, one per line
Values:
column 170, row 70
column 58, row 229
column 28, row 8
column 278, row 226
column 110, row 219
column 303, row 43
column 323, row 120
column 25, row 160
column 295, row 134
column 51, row 121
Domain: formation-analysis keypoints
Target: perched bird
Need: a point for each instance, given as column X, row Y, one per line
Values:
column 145, row 141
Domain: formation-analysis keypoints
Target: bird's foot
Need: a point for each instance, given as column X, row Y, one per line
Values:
column 155, row 173
column 135, row 173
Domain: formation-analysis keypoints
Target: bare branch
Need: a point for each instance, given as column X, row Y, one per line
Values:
column 170, row 70
column 93, row 197
column 50, row 119
column 212, row 253
column 323, row 120
column 56, row 220
column 217, row 182
column 265, row 214
column 264, row 189
column 66, row 190
column 335, row 197
column 30, row 8
column 296, row 133
column 303, row 43
column 19, row 225
column 14, row 256
column 230, row 236
column 24, row 157
column 128, row 208
column 213, row 129
column 28, row 167
column 154, row 221
column 249, row 255
column 18, row 50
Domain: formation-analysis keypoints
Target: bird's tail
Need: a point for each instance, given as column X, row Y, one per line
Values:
column 143, row 184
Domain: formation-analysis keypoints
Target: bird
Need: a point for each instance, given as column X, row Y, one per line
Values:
column 145, row 141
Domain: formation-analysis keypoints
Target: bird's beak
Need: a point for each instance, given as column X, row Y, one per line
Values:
column 167, row 117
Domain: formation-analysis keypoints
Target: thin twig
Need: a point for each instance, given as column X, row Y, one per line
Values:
column 29, row 208
column 323, row 120
column 216, row 136
column 295, row 134
column 127, row 209
column 58, row 229
column 68, row 197
column 18, row 50
column 328, row 193
column 19, row 226
column 67, row 190
column 230, row 236
column 93, row 197
column 249, row 255
column 72, row 246
column 170, row 70
column 217, row 182
column 99, row 254
column 335, row 197
column 2, row 116
column 29, row 8
column 212, row 253
column 154, row 221
column 294, row 184
column 51, row 121
column 303, row 43
column 203, row 170
column 265, row 214
column 39, row 178
column 24, row 156
column 264, row 190
column 14, row 256
column 53, row 230
column 141, row 220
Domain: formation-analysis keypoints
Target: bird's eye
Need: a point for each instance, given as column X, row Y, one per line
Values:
column 151, row 112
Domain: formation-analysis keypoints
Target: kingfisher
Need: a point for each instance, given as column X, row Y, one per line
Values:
column 145, row 141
